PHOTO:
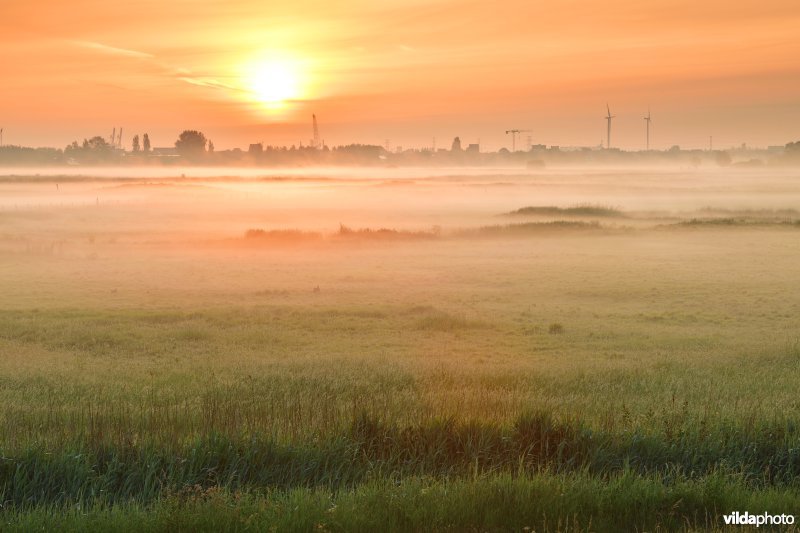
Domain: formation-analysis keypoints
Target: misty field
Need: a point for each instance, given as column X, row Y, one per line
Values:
column 399, row 350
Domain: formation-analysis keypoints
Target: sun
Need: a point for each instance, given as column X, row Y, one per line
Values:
column 274, row 82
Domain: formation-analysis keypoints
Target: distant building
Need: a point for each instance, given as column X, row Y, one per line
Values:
column 473, row 148
column 456, row 147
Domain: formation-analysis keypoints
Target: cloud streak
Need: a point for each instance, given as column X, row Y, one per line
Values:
column 208, row 82
column 181, row 73
column 106, row 49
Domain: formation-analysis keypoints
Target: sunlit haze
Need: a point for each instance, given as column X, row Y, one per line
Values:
column 408, row 72
column 405, row 266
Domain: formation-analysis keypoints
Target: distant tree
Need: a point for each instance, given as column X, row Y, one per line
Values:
column 191, row 144
column 97, row 149
column 210, row 146
column 11, row 154
column 135, row 143
column 456, row 147
column 723, row 159
column 97, row 144
column 92, row 150
column 146, row 142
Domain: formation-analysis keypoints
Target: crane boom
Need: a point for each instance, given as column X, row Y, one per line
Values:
column 514, row 138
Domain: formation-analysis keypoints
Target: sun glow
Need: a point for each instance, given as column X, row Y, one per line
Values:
column 275, row 82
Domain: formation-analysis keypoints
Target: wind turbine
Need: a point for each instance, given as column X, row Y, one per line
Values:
column 608, row 118
column 648, row 119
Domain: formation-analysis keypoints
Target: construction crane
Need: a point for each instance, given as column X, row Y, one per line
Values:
column 514, row 138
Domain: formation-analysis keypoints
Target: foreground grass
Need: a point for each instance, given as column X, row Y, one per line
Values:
column 542, row 502
column 110, row 473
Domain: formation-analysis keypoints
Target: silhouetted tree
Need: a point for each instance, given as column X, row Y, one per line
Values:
column 723, row 159
column 10, row 154
column 97, row 144
column 92, row 150
column 191, row 144
column 146, row 142
column 210, row 146
column 135, row 143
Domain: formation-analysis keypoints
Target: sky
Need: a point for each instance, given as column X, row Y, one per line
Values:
column 408, row 73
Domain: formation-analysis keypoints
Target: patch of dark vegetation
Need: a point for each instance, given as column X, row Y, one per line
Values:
column 385, row 233
column 583, row 210
column 750, row 213
column 282, row 236
column 272, row 292
column 99, row 471
column 714, row 222
column 440, row 321
column 527, row 228
column 366, row 313
column 420, row 309
column 555, row 329
column 736, row 222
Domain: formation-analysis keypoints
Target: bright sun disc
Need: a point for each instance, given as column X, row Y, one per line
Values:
column 274, row 82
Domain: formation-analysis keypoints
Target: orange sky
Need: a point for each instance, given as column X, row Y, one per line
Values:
column 406, row 71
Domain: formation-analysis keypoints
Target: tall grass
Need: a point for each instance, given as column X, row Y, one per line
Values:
column 496, row 502
column 108, row 472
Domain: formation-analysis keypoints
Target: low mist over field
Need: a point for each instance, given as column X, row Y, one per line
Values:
column 203, row 345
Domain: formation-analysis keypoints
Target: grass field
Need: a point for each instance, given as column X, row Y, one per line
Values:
column 399, row 353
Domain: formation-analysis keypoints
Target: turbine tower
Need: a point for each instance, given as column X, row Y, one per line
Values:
column 648, row 119
column 316, row 142
column 608, row 118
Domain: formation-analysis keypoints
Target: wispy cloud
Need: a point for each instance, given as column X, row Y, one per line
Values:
column 180, row 73
column 207, row 82
column 105, row 49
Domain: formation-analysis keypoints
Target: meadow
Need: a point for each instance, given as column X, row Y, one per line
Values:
column 400, row 350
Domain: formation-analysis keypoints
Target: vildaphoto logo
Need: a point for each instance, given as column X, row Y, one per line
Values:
column 765, row 519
